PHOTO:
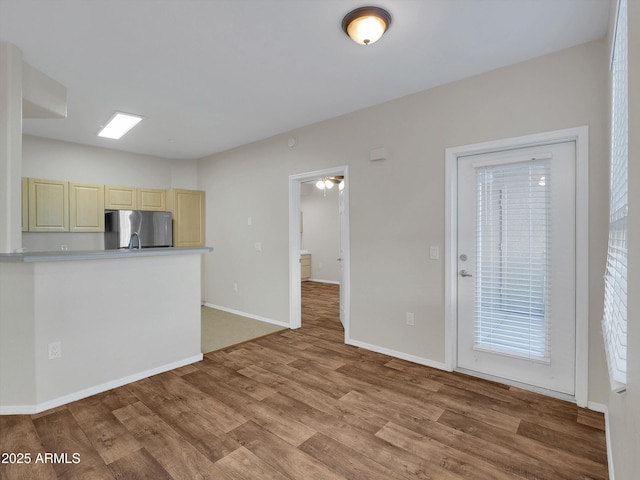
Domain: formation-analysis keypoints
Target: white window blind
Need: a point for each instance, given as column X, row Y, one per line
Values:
column 513, row 259
column 615, row 301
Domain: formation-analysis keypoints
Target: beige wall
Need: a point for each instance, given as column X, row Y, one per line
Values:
column 321, row 231
column 57, row 160
column 117, row 320
column 397, row 205
column 17, row 353
column 624, row 410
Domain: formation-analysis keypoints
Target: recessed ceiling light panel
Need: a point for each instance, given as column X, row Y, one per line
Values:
column 119, row 124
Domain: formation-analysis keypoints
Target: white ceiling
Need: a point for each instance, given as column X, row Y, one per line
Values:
column 210, row 75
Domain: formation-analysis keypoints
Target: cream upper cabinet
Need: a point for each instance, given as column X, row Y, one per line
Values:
column 188, row 208
column 25, row 204
column 48, row 205
column 120, row 198
column 57, row 206
column 86, row 207
column 151, row 199
column 132, row 198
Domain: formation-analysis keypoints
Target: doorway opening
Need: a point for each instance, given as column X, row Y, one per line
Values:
column 338, row 176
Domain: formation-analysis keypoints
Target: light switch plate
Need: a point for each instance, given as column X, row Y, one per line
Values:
column 55, row 350
column 410, row 319
column 434, row 253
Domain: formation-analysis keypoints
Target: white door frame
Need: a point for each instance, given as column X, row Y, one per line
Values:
column 580, row 135
column 295, row 304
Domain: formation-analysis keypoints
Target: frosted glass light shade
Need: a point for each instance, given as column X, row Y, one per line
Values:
column 366, row 25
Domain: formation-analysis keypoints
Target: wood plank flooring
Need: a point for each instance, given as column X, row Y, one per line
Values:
column 302, row 405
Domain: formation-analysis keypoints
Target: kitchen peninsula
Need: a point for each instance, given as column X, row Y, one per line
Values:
column 73, row 324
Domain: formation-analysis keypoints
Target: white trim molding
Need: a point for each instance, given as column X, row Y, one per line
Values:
column 87, row 392
column 579, row 135
column 295, row 306
column 248, row 315
column 602, row 408
column 396, row 354
column 319, row 280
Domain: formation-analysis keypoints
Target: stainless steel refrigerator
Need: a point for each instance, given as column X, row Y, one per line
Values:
column 137, row 229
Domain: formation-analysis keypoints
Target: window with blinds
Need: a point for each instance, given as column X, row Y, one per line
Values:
column 513, row 241
column 615, row 301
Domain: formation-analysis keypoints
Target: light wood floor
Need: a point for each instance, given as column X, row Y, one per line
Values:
column 301, row 405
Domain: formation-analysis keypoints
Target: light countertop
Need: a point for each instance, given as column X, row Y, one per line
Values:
column 61, row 256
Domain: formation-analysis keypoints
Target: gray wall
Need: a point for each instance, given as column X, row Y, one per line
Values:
column 397, row 205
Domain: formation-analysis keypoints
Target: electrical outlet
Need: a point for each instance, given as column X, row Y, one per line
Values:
column 258, row 246
column 235, row 287
column 410, row 319
column 55, row 350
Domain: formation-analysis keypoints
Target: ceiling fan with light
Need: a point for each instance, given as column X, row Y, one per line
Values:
column 327, row 183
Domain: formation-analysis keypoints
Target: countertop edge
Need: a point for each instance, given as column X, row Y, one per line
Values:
column 63, row 256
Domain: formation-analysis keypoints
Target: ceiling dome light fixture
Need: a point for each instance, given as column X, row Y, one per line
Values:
column 365, row 25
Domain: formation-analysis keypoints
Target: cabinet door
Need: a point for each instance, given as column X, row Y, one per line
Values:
column 86, row 207
column 188, row 218
column 152, row 199
column 48, row 206
column 25, row 204
column 305, row 266
column 120, row 198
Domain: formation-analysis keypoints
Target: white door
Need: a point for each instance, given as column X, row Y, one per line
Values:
column 516, row 265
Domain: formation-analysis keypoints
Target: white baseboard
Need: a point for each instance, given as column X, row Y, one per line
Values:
column 318, row 280
column 248, row 315
column 87, row 392
column 19, row 409
column 597, row 407
column 602, row 408
column 567, row 397
column 401, row 355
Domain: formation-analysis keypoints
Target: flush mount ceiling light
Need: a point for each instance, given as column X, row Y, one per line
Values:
column 365, row 25
column 119, row 124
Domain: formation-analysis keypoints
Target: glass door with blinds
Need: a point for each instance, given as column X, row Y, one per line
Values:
column 516, row 265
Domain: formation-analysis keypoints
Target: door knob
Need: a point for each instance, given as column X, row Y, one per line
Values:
column 464, row 273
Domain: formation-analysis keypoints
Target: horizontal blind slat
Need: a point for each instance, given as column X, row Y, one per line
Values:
column 513, row 244
column 614, row 323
